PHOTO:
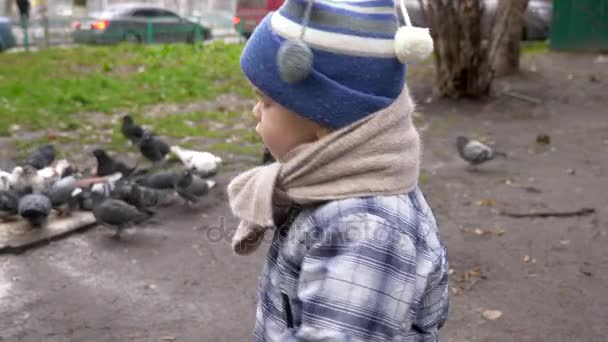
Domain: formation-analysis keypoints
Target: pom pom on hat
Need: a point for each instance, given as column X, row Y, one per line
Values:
column 294, row 60
column 413, row 44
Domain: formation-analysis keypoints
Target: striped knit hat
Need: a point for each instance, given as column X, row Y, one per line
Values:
column 333, row 61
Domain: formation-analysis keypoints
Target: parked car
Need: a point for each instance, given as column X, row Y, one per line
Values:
column 7, row 40
column 249, row 13
column 138, row 23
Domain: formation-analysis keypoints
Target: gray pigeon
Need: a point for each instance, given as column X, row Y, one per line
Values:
column 153, row 148
column 142, row 197
column 63, row 195
column 35, row 208
column 191, row 187
column 159, row 180
column 475, row 152
column 107, row 165
column 42, row 157
column 85, row 199
column 130, row 130
column 9, row 204
column 118, row 214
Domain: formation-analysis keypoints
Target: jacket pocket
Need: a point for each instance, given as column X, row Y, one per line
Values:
column 288, row 315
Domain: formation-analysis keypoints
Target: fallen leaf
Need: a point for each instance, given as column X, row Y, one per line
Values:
column 486, row 203
column 456, row 291
column 167, row 338
column 526, row 258
column 450, row 271
column 543, row 139
column 500, row 232
column 478, row 231
column 492, row 315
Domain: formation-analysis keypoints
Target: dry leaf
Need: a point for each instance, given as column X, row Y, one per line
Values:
column 500, row 232
column 456, row 291
column 167, row 338
column 526, row 258
column 478, row 231
column 491, row 315
column 486, row 203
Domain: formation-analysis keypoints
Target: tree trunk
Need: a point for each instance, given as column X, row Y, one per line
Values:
column 461, row 53
column 507, row 33
column 8, row 8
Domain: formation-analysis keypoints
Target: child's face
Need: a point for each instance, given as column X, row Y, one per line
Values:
column 282, row 130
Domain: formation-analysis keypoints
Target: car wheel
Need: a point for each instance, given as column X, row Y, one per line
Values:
column 131, row 37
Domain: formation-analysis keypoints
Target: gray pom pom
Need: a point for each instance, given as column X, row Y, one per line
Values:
column 295, row 61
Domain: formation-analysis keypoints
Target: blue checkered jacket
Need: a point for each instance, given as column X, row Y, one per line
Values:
column 360, row 269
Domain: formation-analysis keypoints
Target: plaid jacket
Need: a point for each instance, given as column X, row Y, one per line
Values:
column 360, row 269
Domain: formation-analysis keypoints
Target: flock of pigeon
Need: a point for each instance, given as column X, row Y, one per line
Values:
column 119, row 195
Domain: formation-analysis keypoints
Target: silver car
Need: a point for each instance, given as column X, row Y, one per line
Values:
column 138, row 23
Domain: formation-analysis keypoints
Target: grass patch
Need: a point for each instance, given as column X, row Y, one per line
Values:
column 532, row 47
column 48, row 89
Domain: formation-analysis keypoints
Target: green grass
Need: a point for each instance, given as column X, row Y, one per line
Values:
column 48, row 89
column 535, row 47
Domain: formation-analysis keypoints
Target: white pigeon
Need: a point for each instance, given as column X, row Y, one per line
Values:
column 202, row 163
column 5, row 180
column 61, row 166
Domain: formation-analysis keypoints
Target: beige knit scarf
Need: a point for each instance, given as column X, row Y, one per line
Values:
column 377, row 155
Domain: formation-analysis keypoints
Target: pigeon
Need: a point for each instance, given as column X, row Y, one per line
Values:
column 63, row 195
column 475, row 152
column 9, row 204
column 159, row 180
column 84, row 197
column 203, row 164
column 118, row 214
column 105, row 189
column 35, row 208
column 131, row 131
column 26, row 179
column 267, row 157
column 5, row 180
column 153, row 148
column 42, row 157
column 191, row 187
column 142, row 197
column 106, row 165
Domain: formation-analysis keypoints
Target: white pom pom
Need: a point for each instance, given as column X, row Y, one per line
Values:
column 413, row 44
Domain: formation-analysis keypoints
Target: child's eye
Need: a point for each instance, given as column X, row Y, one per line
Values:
column 265, row 103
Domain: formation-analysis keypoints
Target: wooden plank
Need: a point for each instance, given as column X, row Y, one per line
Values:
column 19, row 236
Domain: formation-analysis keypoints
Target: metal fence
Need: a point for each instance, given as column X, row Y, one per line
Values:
column 42, row 32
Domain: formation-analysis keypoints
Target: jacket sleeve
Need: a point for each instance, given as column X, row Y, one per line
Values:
column 358, row 282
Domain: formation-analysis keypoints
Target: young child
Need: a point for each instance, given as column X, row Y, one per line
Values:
column 356, row 253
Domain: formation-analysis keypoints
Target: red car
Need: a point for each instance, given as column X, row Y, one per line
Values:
column 249, row 13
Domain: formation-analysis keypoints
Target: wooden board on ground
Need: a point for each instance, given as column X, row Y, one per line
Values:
column 18, row 236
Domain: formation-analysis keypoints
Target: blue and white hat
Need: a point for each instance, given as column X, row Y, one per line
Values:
column 334, row 61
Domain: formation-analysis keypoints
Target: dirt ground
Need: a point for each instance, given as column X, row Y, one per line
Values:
column 177, row 280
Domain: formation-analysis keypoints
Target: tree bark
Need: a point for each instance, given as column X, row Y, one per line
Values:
column 461, row 52
column 510, row 20
column 466, row 58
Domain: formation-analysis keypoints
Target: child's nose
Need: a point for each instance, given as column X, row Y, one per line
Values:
column 256, row 112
